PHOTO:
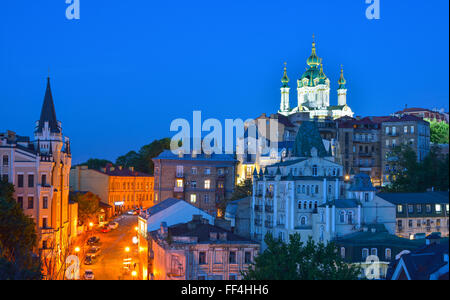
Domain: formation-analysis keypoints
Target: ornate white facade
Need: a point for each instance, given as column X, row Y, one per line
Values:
column 313, row 92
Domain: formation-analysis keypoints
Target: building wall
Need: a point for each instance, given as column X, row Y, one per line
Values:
column 221, row 186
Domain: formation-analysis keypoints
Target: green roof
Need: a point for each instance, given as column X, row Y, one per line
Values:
column 308, row 137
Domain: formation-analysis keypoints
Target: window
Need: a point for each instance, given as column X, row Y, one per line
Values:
column 20, row 180
column 314, row 170
column 365, row 254
column 44, row 222
column 202, row 258
column 410, row 223
column 232, row 257
column 350, row 217
column 419, row 208
column 247, row 257
column 20, row 201
column 428, row 207
column 193, row 198
column 5, row 160
column 194, row 171
column 438, row 222
column 342, row 217
column 45, row 202
column 438, row 208
column 343, row 252
column 405, row 129
column 207, row 184
column 317, row 189
column 419, row 223
column 387, row 130
column 412, row 129
column 410, row 208
column 303, row 221
column 374, row 251
column 388, row 254
column 446, row 207
column 179, row 183
column 30, row 202
column 366, row 197
column 207, row 171
column 193, row 184
column 180, row 171
column 399, row 208
column 30, row 180
column 220, row 171
column 400, row 223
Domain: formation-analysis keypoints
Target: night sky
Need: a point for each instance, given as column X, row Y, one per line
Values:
column 126, row 69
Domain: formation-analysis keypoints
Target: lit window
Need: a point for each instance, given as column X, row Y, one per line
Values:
column 193, row 198
column 388, row 254
column 365, row 254
column 374, row 251
column 399, row 208
column 207, row 184
column 343, row 252
column 438, row 208
column 179, row 183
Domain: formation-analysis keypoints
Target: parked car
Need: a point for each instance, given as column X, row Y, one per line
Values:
column 130, row 212
column 88, row 275
column 93, row 240
column 94, row 251
column 113, row 225
column 90, row 260
column 106, row 229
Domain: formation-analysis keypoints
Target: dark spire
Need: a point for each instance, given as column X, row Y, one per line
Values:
column 308, row 137
column 48, row 113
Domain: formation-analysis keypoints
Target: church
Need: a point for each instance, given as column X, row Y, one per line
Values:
column 313, row 92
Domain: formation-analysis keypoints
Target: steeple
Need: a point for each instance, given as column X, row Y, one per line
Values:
column 285, row 79
column 342, row 90
column 284, row 104
column 48, row 113
column 342, row 80
column 308, row 137
column 313, row 60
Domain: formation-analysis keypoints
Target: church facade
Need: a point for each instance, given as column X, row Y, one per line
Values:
column 313, row 92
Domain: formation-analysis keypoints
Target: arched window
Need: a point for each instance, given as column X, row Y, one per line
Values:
column 303, row 221
column 343, row 252
column 350, row 217
column 388, row 254
column 299, row 204
column 315, row 204
column 310, row 205
column 342, row 216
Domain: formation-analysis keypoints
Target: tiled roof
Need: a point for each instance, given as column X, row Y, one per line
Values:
column 362, row 183
column 125, row 172
column 415, row 198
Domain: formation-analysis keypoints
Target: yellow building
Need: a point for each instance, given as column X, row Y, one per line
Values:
column 121, row 188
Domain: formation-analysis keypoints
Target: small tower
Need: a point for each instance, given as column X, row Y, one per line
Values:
column 48, row 132
column 284, row 105
column 342, row 90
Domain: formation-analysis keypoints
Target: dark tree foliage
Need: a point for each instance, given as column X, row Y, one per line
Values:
column 439, row 132
column 142, row 160
column 17, row 239
column 412, row 176
column 88, row 206
column 300, row 261
column 95, row 163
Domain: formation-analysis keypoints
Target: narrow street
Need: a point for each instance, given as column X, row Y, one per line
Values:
column 109, row 264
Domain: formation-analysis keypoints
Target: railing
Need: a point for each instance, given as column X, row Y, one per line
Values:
column 178, row 189
column 268, row 224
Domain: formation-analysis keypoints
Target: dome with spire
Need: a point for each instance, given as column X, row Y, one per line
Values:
column 285, row 79
column 342, row 80
column 313, row 60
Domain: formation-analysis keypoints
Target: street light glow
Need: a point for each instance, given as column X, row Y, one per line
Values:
column 134, row 273
column 127, row 249
column 77, row 249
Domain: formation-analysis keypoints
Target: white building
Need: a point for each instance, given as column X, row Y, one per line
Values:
column 313, row 92
column 307, row 194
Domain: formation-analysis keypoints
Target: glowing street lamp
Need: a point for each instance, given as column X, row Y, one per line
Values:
column 134, row 274
column 136, row 228
column 127, row 249
column 135, row 240
column 77, row 249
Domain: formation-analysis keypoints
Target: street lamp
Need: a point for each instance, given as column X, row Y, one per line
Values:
column 127, row 249
column 136, row 228
column 135, row 240
column 77, row 249
column 134, row 274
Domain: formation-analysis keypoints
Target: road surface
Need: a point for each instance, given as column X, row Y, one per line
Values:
column 109, row 265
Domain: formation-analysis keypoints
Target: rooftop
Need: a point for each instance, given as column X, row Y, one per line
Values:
column 415, row 198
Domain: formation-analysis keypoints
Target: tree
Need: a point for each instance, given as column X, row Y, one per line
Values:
column 95, row 163
column 439, row 132
column 17, row 239
column 88, row 206
column 409, row 175
column 298, row 261
column 241, row 191
column 142, row 160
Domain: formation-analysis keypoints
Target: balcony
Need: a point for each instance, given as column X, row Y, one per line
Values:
column 268, row 224
column 269, row 209
column 178, row 189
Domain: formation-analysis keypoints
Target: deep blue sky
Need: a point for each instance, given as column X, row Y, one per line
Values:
column 126, row 69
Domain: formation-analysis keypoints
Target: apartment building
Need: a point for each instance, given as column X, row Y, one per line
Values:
column 203, row 180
